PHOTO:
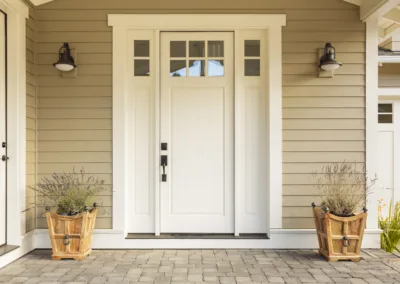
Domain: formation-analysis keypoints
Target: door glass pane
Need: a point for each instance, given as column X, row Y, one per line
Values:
column 177, row 68
column 196, row 49
column 252, row 67
column 215, row 68
column 178, row 48
column 142, row 67
column 196, row 68
column 215, row 49
column 385, row 118
column 385, row 108
column 142, row 48
column 252, row 48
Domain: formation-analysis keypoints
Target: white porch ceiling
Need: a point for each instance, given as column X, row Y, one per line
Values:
column 388, row 12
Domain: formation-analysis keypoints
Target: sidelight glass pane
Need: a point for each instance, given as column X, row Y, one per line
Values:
column 178, row 49
column 252, row 48
column 215, row 68
column 196, row 68
column 252, row 67
column 177, row 68
column 385, row 108
column 215, row 49
column 142, row 48
column 196, row 49
column 385, row 118
column 142, row 67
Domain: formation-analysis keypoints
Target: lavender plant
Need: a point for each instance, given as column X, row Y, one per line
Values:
column 70, row 192
column 343, row 187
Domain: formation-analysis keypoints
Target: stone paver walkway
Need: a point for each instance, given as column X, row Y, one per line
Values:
column 202, row 266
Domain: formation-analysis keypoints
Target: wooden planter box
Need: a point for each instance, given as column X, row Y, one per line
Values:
column 71, row 236
column 339, row 238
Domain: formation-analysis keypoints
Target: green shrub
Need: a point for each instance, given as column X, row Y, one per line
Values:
column 70, row 192
column 390, row 226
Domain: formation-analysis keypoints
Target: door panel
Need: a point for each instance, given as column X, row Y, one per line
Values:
column 3, row 207
column 197, row 122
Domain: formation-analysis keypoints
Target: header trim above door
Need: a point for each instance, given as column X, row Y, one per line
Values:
column 172, row 22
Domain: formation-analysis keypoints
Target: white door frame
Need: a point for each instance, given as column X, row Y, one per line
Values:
column 3, row 128
column 17, row 13
column 122, row 25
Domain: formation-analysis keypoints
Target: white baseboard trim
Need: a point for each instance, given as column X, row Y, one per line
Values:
column 280, row 239
column 27, row 245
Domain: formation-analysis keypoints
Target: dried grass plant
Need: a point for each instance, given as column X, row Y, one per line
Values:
column 343, row 188
column 70, row 192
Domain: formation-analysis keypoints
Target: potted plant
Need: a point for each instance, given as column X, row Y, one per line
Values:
column 71, row 226
column 341, row 217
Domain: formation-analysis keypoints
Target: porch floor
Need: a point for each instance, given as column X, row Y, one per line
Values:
column 196, row 266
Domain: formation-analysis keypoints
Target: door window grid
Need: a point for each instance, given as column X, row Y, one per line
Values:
column 385, row 113
column 252, row 57
column 141, row 58
column 207, row 61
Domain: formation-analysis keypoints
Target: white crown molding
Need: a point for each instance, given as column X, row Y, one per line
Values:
column 40, row 2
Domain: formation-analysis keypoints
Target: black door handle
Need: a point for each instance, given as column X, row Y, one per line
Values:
column 4, row 158
column 164, row 162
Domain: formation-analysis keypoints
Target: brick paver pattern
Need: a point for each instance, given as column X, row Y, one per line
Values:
column 202, row 267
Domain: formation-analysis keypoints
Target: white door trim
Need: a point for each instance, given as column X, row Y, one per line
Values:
column 122, row 24
column 17, row 13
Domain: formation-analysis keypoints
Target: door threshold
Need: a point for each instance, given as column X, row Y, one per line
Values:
column 197, row 236
column 6, row 249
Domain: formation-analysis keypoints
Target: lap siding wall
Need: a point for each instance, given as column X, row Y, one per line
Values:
column 323, row 119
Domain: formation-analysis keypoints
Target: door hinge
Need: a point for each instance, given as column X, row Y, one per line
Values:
column 4, row 158
column 4, row 144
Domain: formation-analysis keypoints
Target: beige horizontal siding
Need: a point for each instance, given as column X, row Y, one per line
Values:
column 323, row 118
column 389, row 75
column 30, row 206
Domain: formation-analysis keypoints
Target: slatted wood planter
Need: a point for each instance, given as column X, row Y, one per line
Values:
column 339, row 238
column 71, row 236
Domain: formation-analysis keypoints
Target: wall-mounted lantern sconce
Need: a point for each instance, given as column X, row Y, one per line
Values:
column 66, row 61
column 327, row 61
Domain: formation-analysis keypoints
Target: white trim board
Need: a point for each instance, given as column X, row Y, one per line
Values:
column 388, row 59
column 122, row 164
column 389, row 92
column 280, row 239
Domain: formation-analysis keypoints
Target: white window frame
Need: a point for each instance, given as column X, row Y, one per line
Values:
column 17, row 13
column 272, row 24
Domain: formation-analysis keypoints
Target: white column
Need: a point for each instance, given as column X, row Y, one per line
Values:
column 371, row 113
column 120, row 165
column 275, row 125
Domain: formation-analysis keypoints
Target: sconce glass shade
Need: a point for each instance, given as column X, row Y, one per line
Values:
column 328, row 60
column 65, row 61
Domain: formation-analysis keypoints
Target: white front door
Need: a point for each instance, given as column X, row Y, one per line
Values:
column 197, row 123
column 389, row 151
column 3, row 207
